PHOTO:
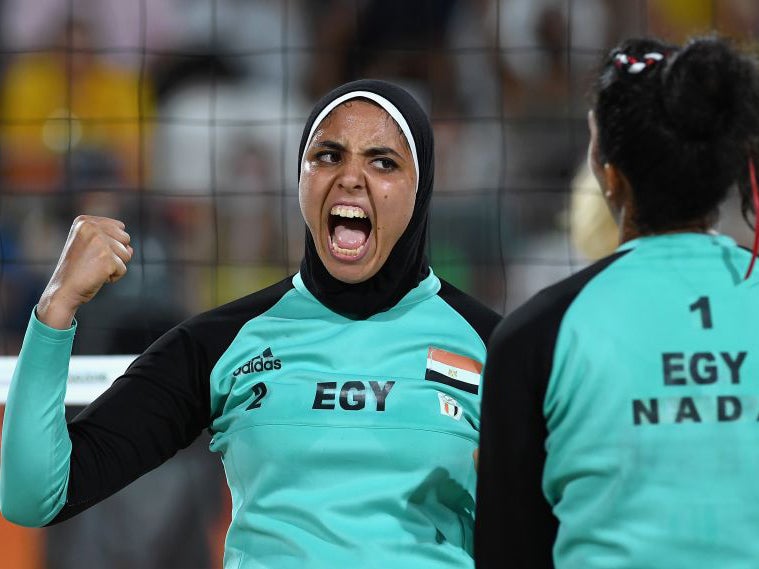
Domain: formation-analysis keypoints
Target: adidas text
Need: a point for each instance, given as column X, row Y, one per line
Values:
column 264, row 362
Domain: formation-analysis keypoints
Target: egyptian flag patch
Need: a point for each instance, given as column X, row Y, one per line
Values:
column 449, row 406
column 454, row 370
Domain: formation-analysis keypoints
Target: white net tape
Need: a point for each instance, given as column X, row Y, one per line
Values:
column 89, row 376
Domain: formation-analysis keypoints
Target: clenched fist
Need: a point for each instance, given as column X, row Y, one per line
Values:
column 96, row 252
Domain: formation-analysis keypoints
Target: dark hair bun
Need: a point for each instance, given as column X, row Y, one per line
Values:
column 681, row 128
column 707, row 86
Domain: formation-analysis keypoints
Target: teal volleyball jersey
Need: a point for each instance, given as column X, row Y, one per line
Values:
column 621, row 416
column 346, row 443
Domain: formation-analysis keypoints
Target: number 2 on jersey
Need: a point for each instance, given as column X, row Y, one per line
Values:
column 703, row 306
column 259, row 390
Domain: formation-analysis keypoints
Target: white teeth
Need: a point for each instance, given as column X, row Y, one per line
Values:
column 349, row 252
column 347, row 211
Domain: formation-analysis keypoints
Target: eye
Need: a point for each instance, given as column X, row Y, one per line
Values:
column 385, row 164
column 328, row 156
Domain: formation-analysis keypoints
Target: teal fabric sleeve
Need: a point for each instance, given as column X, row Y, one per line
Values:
column 36, row 449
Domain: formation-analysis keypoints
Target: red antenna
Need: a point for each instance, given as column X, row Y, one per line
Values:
column 755, row 197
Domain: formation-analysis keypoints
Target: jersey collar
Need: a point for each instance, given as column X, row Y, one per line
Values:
column 694, row 239
column 427, row 287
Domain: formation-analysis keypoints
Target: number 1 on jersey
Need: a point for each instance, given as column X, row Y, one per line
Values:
column 702, row 305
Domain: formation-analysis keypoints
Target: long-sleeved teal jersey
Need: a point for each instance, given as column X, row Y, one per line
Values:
column 346, row 443
column 620, row 423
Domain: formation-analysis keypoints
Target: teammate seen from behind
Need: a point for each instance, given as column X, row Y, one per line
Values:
column 344, row 400
column 620, row 424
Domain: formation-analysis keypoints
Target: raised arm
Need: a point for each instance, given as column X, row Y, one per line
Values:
column 49, row 470
column 34, row 467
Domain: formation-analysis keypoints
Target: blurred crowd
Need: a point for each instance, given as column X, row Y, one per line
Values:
column 182, row 118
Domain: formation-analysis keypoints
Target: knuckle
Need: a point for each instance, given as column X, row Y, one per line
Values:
column 85, row 227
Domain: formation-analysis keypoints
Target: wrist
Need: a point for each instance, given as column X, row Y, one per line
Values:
column 55, row 310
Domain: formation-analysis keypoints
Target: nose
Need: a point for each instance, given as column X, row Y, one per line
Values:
column 351, row 175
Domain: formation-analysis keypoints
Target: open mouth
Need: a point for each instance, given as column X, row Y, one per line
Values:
column 349, row 230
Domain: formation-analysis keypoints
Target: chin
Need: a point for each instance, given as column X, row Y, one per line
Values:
column 347, row 272
column 350, row 272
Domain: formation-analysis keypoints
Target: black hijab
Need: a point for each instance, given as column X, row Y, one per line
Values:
column 407, row 264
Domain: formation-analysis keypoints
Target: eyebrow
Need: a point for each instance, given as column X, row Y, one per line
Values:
column 379, row 150
column 373, row 151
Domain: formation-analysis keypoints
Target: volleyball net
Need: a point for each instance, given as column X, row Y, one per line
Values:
column 89, row 376
column 184, row 121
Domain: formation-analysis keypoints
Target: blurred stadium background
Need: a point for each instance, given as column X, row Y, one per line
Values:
column 182, row 118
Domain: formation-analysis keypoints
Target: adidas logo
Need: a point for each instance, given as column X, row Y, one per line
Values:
column 264, row 362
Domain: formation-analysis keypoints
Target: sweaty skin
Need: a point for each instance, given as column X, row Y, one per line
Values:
column 357, row 164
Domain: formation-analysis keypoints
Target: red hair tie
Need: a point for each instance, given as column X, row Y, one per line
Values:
column 634, row 65
column 755, row 197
